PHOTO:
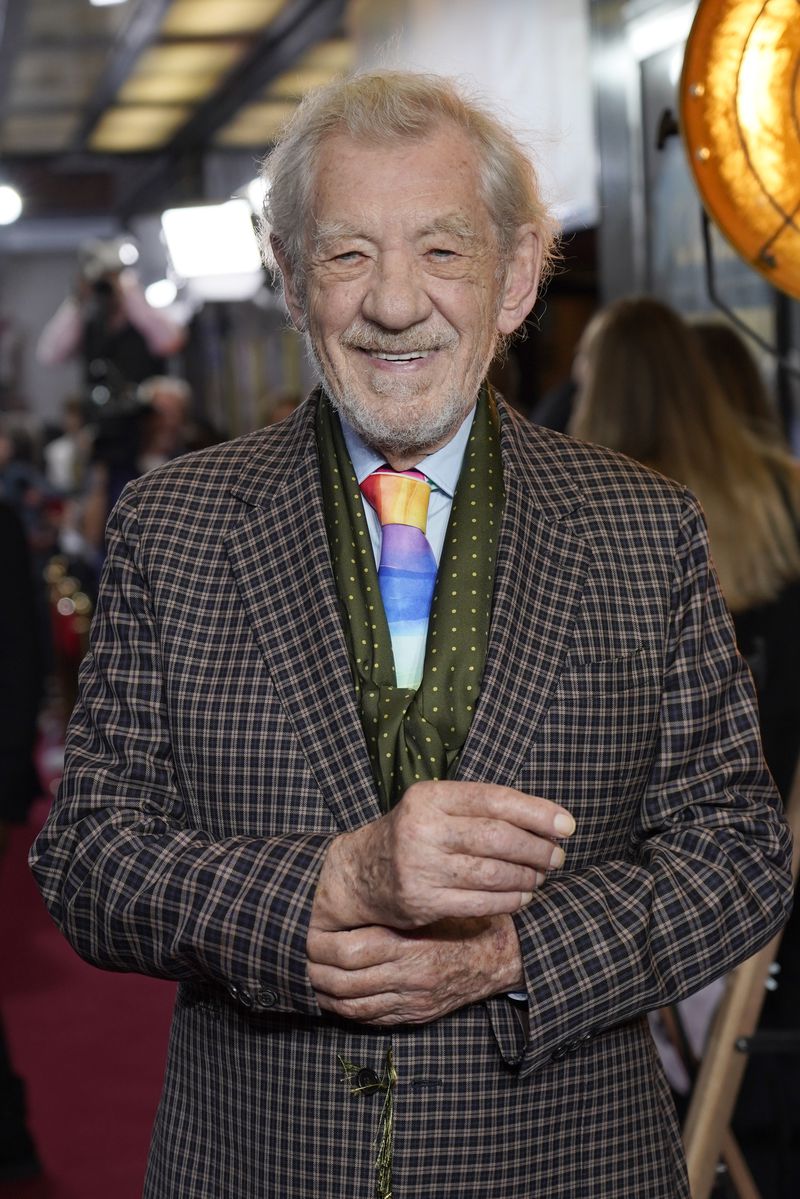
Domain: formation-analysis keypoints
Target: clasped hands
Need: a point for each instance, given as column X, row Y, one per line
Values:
column 412, row 913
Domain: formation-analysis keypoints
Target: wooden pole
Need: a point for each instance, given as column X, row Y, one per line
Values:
column 706, row 1134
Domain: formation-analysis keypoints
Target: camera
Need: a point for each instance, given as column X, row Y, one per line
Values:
column 100, row 259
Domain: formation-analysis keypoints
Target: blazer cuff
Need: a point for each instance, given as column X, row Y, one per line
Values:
column 508, row 1020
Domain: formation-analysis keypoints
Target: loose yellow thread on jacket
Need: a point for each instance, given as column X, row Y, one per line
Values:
column 385, row 1136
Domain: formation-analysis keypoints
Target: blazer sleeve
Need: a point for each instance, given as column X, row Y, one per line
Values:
column 708, row 879
column 127, row 882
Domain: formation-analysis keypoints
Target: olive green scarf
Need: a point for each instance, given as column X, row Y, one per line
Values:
column 413, row 735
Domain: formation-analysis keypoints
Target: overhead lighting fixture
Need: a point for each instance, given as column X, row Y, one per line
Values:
column 104, row 3
column 10, row 204
column 212, row 18
column 214, row 248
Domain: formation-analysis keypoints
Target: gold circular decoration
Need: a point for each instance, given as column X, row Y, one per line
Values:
column 740, row 119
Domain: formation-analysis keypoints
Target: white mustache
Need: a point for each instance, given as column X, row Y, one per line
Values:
column 419, row 341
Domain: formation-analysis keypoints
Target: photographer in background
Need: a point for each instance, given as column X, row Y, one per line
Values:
column 109, row 323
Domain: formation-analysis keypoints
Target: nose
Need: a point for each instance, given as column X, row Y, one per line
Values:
column 396, row 297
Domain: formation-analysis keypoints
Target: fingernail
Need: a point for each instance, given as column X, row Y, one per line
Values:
column 564, row 824
column 526, row 897
column 540, row 877
column 557, row 858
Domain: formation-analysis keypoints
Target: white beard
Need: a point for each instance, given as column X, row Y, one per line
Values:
column 398, row 436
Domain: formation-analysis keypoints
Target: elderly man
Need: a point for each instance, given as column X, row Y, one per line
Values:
column 412, row 741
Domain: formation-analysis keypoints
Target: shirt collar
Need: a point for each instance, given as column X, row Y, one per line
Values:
column 442, row 467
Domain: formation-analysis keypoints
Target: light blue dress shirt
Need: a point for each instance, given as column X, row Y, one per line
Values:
column 442, row 468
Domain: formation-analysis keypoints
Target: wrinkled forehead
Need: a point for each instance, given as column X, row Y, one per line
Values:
column 379, row 139
column 438, row 169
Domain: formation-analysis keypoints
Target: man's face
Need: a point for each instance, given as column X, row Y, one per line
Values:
column 402, row 287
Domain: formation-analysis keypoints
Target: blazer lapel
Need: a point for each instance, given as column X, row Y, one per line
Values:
column 540, row 574
column 280, row 560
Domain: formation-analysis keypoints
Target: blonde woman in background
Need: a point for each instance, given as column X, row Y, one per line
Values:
column 737, row 372
column 691, row 404
column 647, row 388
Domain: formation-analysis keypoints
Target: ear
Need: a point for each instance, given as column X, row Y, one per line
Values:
column 291, row 292
column 522, row 280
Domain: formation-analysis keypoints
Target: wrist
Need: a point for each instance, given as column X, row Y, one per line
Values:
column 510, row 975
column 336, row 900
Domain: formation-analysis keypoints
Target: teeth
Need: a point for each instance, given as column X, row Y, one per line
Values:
column 398, row 357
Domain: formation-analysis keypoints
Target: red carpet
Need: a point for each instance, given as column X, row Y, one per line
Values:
column 89, row 1045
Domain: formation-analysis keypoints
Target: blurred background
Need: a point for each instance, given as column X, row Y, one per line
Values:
column 112, row 114
column 137, row 322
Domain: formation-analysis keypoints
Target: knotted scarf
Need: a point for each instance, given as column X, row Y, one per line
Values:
column 417, row 735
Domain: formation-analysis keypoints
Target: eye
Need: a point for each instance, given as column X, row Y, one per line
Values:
column 347, row 256
column 441, row 254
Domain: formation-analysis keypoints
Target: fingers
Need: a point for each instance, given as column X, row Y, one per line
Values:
column 502, row 848
column 376, row 975
column 530, row 812
column 386, row 1009
column 447, row 849
column 370, row 971
column 351, row 984
column 358, row 949
column 464, row 904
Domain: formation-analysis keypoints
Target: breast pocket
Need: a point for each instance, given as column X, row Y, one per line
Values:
column 627, row 672
column 595, row 748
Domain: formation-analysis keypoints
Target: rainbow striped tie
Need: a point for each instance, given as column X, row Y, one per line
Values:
column 407, row 570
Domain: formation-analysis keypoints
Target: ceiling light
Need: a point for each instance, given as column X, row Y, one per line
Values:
column 105, row 3
column 126, row 128
column 10, row 204
column 212, row 18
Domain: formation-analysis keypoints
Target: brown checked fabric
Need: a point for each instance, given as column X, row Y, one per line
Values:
column 217, row 749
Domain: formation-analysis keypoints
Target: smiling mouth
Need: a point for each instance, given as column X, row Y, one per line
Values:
column 411, row 356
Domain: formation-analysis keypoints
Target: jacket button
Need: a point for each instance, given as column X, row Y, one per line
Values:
column 233, row 991
column 264, row 997
column 367, row 1081
column 245, row 998
column 559, row 1053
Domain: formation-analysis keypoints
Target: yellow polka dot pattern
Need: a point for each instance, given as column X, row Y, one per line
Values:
column 417, row 735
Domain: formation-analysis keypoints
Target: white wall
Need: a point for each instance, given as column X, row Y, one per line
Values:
column 529, row 58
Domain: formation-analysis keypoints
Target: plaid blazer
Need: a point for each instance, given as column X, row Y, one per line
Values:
column 216, row 750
